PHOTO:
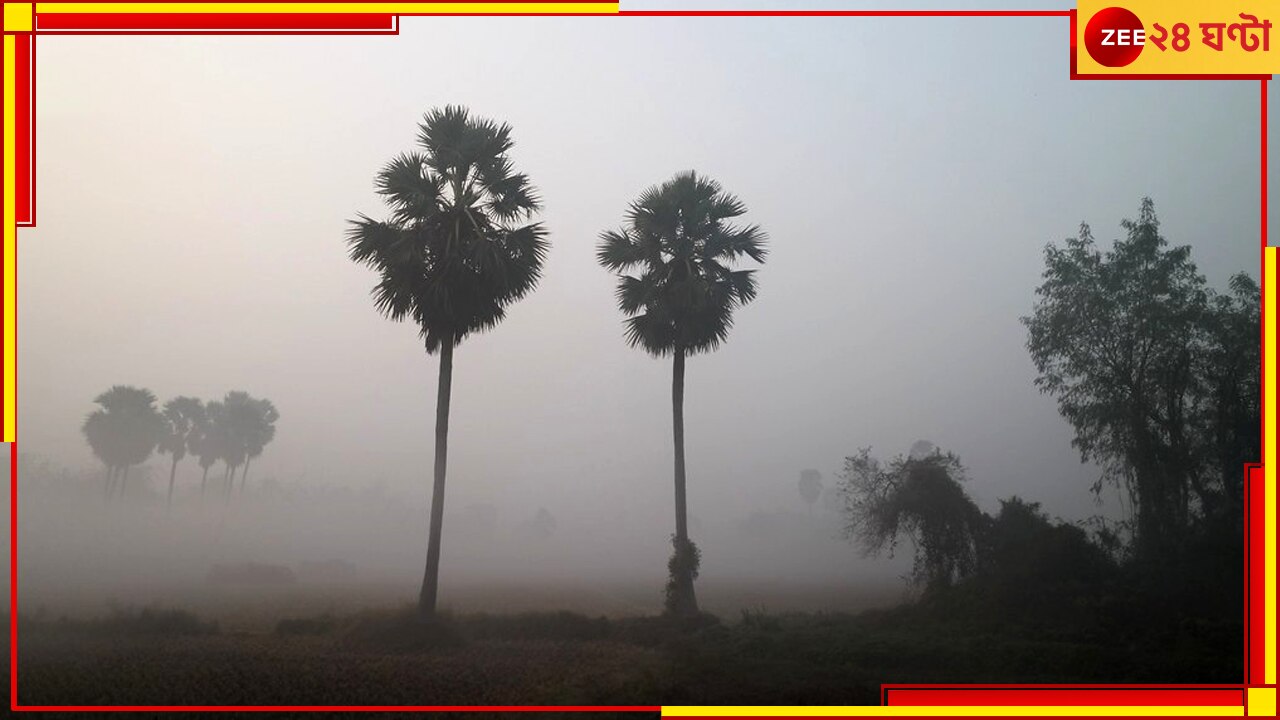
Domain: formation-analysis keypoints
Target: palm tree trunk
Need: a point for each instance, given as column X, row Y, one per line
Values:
column 173, row 469
column 243, row 473
column 430, row 578
column 111, row 480
column 686, row 602
column 124, row 478
column 203, row 478
column 228, row 482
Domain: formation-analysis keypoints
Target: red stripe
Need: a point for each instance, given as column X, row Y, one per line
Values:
column 1196, row 697
column 24, row 191
column 213, row 21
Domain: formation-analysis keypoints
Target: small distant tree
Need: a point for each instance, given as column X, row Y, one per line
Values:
column 920, row 499
column 810, row 487
column 184, row 417
column 543, row 525
column 238, row 420
column 260, row 432
column 123, row 431
column 207, row 445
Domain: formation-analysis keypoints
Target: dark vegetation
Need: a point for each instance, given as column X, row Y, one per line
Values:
column 392, row 657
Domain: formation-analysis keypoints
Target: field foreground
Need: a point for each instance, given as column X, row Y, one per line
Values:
column 161, row 657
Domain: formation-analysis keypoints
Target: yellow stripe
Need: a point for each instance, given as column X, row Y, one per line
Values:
column 10, row 229
column 405, row 8
column 975, row 711
column 1269, row 459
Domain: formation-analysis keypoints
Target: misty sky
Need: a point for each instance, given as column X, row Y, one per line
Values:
column 193, row 194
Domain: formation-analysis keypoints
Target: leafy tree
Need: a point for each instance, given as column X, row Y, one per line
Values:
column 456, row 251
column 681, row 242
column 1156, row 373
column 123, row 431
column 184, row 417
column 921, row 499
column 810, row 487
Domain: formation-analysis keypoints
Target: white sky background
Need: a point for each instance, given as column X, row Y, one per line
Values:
column 193, row 194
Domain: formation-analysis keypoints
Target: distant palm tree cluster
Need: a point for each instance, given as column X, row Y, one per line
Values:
column 128, row 427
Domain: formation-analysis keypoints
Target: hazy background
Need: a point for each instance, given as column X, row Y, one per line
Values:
column 193, row 194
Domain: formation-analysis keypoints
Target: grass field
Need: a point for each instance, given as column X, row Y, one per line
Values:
column 383, row 656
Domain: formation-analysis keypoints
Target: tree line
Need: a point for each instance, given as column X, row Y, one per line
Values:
column 127, row 427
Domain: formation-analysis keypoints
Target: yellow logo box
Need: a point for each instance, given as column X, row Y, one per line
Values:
column 1178, row 37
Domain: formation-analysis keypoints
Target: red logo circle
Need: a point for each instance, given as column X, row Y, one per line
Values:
column 1114, row 37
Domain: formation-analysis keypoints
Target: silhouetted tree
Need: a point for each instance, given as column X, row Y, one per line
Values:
column 261, row 431
column 680, row 239
column 99, row 433
column 456, row 251
column 921, row 499
column 208, row 444
column 238, row 418
column 1152, row 369
column 184, row 417
column 810, row 487
column 1232, row 411
column 123, row 431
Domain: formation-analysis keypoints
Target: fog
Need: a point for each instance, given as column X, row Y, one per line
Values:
column 193, row 196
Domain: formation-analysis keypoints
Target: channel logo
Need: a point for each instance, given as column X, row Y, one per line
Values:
column 1114, row 37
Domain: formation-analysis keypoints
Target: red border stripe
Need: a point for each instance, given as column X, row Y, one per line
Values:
column 1128, row 697
column 159, row 22
column 24, row 190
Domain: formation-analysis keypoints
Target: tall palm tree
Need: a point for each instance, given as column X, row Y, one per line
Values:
column 680, row 242
column 184, row 417
column 260, row 434
column 123, row 431
column 458, row 248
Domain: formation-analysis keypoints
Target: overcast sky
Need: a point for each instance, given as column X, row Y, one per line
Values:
column 193, row 195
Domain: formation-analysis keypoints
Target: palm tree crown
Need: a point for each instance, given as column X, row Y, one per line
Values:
column 456, row 250
column 185, row 416
column 126, row 427
column 680, row 239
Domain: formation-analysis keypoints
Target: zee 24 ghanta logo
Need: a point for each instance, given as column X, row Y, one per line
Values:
column 1116, row 37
